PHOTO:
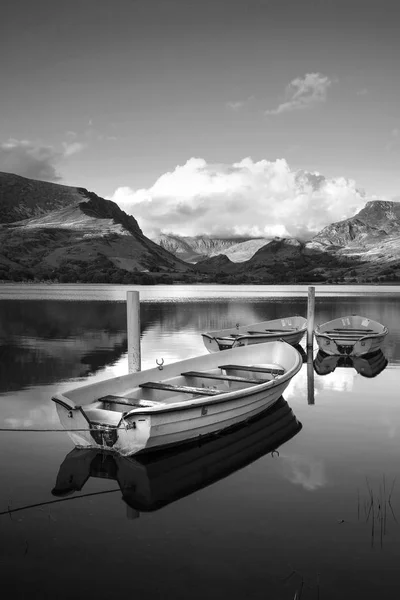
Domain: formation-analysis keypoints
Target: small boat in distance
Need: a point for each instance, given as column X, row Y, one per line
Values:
column 352, row 335
column 149, row 482
column 368, row 365
column 289, row 329
column 179, row 402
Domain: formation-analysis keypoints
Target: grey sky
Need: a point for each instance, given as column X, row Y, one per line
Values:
column 121, row 92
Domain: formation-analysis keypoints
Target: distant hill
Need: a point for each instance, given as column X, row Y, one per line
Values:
column 365, row 247
column 194, row 249
column 71, row 232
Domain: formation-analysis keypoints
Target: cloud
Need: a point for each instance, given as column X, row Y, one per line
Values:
column 237, row 105
column 246, row 198
column 394, row 140
column 72, row 148
column 362, row 92
column 303, row 93
column 35, row 160
column 25, row 158
column 306, row 471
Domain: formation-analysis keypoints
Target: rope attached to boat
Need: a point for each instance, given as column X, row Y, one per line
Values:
column 42, row 430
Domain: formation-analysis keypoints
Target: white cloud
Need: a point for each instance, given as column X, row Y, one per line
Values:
column 237, row 105
column 264, row 198
column 72, row 148
column 303, row 93
column 306, row 471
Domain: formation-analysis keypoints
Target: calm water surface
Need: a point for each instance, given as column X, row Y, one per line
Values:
column 229, row 518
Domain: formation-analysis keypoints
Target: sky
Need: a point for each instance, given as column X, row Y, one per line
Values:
column 223, row 117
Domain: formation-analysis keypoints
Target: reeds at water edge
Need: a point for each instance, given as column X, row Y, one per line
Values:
column 377, row 508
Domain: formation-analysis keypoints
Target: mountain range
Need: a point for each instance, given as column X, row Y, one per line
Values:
column 61, row 233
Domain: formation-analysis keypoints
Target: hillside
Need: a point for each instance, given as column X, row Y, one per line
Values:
column 72, row 233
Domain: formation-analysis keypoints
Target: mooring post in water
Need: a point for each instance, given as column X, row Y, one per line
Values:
column 133, row 328
column 310, row 316
column 310, row 375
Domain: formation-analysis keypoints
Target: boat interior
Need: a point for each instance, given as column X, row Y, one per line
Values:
column 228, row 340
column 349, row 335
column 187, row 386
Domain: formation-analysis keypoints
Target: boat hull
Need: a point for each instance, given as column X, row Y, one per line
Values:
column 145, row 432
column 289, row 329
column 352, row 336
column 147, row 428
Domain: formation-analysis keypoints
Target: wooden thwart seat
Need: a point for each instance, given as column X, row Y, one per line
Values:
column 185, row 389
column 272, row 331
column 272, row 370
column 257, row 332
column 350, row 330
column 119, row 400
column 224, row 377
column 283, row 330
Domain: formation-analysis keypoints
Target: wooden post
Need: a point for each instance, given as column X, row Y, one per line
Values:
column 310, row 375
column 132, row 513
column 310, row 316
column 133, row 328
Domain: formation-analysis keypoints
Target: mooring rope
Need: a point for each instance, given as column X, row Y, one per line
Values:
column 13, row 510
column 42, row 430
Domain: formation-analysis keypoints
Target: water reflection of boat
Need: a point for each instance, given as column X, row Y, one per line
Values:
column 368, row 365
column 151, row 481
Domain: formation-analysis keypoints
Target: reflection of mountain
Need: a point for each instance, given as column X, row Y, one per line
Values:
column 154, row 480
column 219, row 314
column 43, row 342
column 369, row 365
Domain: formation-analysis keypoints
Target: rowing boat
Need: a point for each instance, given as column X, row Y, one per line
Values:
column 289, row 329
column 353, row 335
column 179, row 402
column 149, row 482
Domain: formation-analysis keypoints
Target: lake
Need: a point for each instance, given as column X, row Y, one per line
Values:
column 302, row 503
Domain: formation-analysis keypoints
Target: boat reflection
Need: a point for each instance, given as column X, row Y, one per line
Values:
column 368, row 365
column 150, row 481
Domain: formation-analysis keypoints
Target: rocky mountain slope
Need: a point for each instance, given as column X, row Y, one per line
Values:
column 194, row 249
column 375, row 224
column 72, row 231
column 364, row 247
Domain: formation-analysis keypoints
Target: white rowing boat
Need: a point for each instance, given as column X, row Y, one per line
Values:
column 353, row 335
column 149, row 482
column 289, row 329
column 178, row 402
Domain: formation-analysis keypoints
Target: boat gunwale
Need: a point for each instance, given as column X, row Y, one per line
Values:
column 214, row 334
column 383, row 330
